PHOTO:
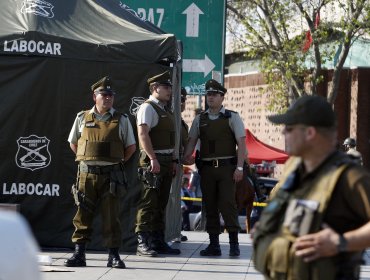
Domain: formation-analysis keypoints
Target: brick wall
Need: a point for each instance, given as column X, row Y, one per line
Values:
column 351, row 107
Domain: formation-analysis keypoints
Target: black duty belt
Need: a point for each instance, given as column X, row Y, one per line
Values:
column 94, row 169
column 164, row 156
column 220, row 162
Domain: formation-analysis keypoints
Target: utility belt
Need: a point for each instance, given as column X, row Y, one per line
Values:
column 164, row 156
column 220, row 162
column 93, row 169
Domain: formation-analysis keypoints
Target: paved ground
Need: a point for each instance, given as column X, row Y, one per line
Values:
column 187, row 266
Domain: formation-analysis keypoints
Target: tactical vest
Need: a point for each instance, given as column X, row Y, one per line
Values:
column 162, row 135
column 100, row 140
column 274, row 255
column 217, row 138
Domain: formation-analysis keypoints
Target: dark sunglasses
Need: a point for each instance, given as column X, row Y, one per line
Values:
column 183, row 99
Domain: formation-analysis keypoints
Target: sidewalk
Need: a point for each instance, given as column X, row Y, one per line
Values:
column 187, row 266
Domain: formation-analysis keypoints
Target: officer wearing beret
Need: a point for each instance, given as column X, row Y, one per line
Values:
column 102, row 139
column 157, row 166
column 317, row 224
column 220, row 131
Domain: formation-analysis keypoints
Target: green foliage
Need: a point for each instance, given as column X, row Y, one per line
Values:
column 274, row 31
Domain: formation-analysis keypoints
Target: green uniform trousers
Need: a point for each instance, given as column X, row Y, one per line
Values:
column 218, row 194
column 96, row 189
column 153, row 201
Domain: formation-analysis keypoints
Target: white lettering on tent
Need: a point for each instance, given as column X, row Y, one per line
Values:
column 151, row 16
column 32, row 46
column 31, row 189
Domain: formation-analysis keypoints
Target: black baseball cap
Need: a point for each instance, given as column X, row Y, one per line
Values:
column 310, row 110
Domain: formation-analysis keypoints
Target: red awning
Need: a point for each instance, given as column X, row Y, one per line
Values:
column 259, row 151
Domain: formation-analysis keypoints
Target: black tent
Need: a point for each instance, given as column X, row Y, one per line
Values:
column 51, row 52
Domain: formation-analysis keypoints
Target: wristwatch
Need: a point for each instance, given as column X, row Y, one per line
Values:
column 342, row 245
column 240, row 168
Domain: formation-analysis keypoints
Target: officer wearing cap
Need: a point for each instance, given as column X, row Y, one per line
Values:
column 157, row 165
column 350, row 147
column 102, row 139
column 317, row 223
column 220, row 131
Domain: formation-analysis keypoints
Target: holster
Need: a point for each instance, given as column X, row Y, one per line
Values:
column 81, row 200
column 149, row 179
column 118, row 182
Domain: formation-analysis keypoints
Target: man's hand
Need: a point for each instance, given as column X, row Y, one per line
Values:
column 317, row 245
column 155, row 166
column 238, row 175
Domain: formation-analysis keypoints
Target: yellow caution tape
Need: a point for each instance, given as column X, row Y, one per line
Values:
column 191, row 198
column 258, row 204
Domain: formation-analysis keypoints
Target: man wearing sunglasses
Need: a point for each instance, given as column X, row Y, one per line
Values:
column 220, row 131
column 102, row 139
column 317, row 223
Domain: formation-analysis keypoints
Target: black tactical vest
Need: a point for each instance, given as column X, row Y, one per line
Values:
column 217, row 138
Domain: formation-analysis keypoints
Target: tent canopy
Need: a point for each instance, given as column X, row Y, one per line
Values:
column 259, row 151
column 51, row 52
column 103, row 29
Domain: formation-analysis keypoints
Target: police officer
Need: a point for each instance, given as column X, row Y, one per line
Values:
column 102, row 139
column 220, row 131
column 157, row 166
column 350, row 147
column 317, row 223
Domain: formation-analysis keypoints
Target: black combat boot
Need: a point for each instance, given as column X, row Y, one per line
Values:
column 158, row 244
column 114, row 259
column 143, row 248
column 213, row 249
column 78, row 258
column 234, row 244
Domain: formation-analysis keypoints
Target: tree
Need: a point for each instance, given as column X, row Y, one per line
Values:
column 284, row 34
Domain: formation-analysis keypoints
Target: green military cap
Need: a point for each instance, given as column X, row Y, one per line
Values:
column 310, row 110
column 162, row 79
column 103, row 85
column 214, row 86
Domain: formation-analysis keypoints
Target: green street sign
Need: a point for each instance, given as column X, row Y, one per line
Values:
column 200, row 25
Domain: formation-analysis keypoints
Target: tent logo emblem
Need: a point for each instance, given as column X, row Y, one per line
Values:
column 38, row 8
column 33, row 152
column 135, row 104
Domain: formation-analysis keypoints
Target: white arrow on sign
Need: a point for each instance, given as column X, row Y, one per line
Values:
column 198, row 65
column 192, row 20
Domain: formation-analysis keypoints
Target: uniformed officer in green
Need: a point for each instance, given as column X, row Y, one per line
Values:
column 157, row 166
column 317, row 223
column 222, row 152
column 102, row 139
